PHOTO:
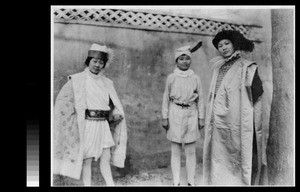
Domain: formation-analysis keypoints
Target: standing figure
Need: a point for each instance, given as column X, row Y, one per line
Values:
column 183, row 113
column 234, row 150
column 89, row 122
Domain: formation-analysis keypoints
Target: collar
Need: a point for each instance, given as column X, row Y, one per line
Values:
column 219, row 60
column 88, row 72
column 181, row 73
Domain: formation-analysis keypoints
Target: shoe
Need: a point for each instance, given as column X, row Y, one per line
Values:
column 190, row 184
column 177, row 185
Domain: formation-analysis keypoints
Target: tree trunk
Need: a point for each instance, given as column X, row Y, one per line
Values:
column 281, row 143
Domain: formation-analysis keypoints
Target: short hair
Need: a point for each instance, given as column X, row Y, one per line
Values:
column 88, row 59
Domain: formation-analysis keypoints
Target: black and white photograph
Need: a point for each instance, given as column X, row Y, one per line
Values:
column 178, row 96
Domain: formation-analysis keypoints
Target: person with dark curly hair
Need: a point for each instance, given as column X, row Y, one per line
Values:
column 234, row 150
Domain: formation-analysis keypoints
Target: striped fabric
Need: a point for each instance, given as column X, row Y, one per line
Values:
column 222, row 72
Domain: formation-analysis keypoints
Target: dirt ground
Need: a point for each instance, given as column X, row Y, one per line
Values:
column 155, row 177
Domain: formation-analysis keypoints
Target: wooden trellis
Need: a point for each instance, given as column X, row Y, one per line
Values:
column 149, row 21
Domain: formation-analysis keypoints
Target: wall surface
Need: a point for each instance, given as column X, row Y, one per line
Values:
column 281, row 148
column 144, row 58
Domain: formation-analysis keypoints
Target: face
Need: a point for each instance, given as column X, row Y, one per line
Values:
column 225, row 47
column 96, row 65
column 184, row 62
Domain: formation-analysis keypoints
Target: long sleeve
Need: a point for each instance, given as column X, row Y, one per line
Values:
column 66, row 136
column 120, row 131
column 114, row 99
column 166, row 100
column 200, row 99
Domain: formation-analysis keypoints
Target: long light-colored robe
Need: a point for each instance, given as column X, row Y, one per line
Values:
column 69, row 125
column 229, row 122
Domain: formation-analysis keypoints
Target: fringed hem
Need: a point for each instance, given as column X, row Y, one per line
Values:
column 119, row 156
column 118, row 162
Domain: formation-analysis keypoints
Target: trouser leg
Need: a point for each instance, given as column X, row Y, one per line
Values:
column 105, row 167
column 87, row 172
column 190, row 154
column 175, row 162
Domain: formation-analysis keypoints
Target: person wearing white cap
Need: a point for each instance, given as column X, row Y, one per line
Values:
column 183, row 113
column 89, row 122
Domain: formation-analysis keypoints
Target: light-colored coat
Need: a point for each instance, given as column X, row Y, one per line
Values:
column 69, row 126
column 229, row 122
column 183, row 122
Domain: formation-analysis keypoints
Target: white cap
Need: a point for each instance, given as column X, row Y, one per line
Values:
column 96, row 47
column 183, row 50
column 102, row 52
column 98, row 51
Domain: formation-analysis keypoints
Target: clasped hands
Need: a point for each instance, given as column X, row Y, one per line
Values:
column 165, row 124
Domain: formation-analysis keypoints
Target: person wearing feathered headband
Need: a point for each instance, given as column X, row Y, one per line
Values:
column 234, row 151
column 89, row 122
column 183, row 112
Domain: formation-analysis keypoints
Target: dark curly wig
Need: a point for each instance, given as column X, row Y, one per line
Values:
column 238, row 40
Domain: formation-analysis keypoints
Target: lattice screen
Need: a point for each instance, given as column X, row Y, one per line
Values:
column 149, row 21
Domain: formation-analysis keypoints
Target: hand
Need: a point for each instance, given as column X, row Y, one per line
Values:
column 117, row 118
column 201, row 124
column 165, row 124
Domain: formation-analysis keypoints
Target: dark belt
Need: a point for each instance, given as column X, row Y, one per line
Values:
column 182, row 105
column 91, row 114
